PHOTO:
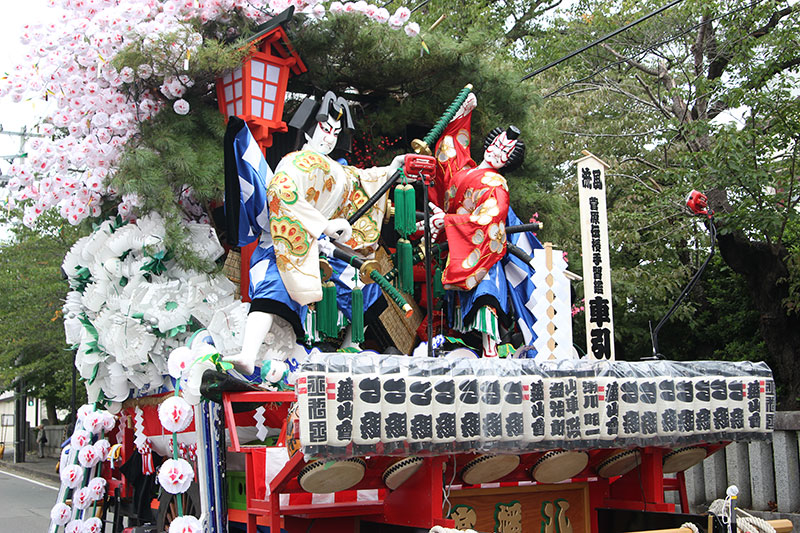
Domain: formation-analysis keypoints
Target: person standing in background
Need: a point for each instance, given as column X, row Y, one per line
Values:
column 41, row 440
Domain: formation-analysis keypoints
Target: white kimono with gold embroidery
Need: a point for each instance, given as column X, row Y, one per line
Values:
column 306, row 191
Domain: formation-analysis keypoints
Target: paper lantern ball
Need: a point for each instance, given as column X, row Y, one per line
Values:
column 175, row 475
column 175, row 414
column 60, row 514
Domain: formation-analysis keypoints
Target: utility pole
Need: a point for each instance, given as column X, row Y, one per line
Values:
column 23, row 135
column 20, row 422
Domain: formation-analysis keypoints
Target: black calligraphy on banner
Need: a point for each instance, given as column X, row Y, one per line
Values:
column 769, row 404
column 590, row 408
column 344, row 408
column 420, row 397
column 586, row 178
column 512, row 408
column 601, row 343
column 591, row 178
column 599, row 311
column 369, row 398
column 395, row 421
column 316, row 411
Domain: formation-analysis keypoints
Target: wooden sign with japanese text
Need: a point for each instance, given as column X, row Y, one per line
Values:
column 539, row 508
column 596, row 265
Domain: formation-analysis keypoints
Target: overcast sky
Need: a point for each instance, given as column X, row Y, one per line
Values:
column 14, row 116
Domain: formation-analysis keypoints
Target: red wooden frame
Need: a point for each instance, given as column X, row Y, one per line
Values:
column 640, row 489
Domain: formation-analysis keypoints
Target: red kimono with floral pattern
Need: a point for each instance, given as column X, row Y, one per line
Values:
column 475, row 202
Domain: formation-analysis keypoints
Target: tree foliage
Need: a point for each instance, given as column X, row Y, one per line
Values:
column 656, row 102
column 32, row 347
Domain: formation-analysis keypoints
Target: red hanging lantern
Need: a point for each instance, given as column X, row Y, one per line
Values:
column 255, row 90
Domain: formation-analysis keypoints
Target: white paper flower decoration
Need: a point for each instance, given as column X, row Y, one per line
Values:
column 181, row 106
column 403, row 14
column 88, row 456
column 109, row 422
column 412, row 29
column 76, row 526
column 60, row 514
column 175, row 414
column 82, row 498
column 97, row 488
column 101, row 448
column 94, row 422
column 185, row 524
column 92, row 525
column 175, row 475
column 127, row 340
column 84, row 410
column 179, row 361
column 72, row 476
column 80, row 438
column 227, row 327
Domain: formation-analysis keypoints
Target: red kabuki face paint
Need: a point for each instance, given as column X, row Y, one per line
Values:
column 497, row 154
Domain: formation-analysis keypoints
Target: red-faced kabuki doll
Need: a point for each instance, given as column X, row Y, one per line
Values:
column 471, row 207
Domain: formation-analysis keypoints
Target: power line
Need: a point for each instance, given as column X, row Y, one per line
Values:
column 601, row 39
column 652, row 47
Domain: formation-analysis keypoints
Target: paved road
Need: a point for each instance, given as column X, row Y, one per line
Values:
column 25, row 505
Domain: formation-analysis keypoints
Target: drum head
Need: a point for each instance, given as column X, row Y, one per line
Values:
column 558, row 465
column 321, row 477
column 461, row 353
column 488, row 468
column 399, row 472
column 683, row 459
column 619, row 464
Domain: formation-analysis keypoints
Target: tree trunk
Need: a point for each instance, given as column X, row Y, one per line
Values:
column 51, row 413
column 764, row 268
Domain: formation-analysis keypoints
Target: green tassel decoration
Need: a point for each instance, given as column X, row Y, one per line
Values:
column 405, row 266
column 327, row 311
column 357, row 324
column 332, row 312
column 400, row 210
column 438, row 287
column 410, row 205
column 320, row 315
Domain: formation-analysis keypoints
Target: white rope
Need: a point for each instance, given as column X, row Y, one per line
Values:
column 440, row 529
column 689, row 525
column 446, row 491
column 745, row 522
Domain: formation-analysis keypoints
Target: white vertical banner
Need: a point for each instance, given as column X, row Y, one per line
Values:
column 596, row 265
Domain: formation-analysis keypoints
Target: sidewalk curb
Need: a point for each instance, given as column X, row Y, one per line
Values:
column 23, row 469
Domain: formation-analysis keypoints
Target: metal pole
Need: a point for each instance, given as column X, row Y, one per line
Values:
column 428, row 266
column 19, row 424
column 73, row 394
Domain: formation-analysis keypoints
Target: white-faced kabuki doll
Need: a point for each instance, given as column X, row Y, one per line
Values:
column 308, row 200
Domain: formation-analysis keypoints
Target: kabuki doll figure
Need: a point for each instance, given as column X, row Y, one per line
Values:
column 471, row 207
column 308, row 200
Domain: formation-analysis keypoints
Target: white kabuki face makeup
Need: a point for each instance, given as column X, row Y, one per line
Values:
column 325, row 136
column 497, row 154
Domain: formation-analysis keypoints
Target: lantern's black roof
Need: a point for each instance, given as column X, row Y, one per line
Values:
column 278, row 20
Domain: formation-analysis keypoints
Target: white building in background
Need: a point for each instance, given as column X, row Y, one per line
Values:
column 35, row 412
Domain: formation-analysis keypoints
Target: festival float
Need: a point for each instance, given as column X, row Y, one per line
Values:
column 386, row 348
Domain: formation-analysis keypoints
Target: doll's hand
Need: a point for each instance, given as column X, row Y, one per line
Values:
column 436, row 219
column 469, row 104
column 338, row 229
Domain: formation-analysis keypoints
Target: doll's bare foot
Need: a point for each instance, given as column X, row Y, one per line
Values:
column 242, row 362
